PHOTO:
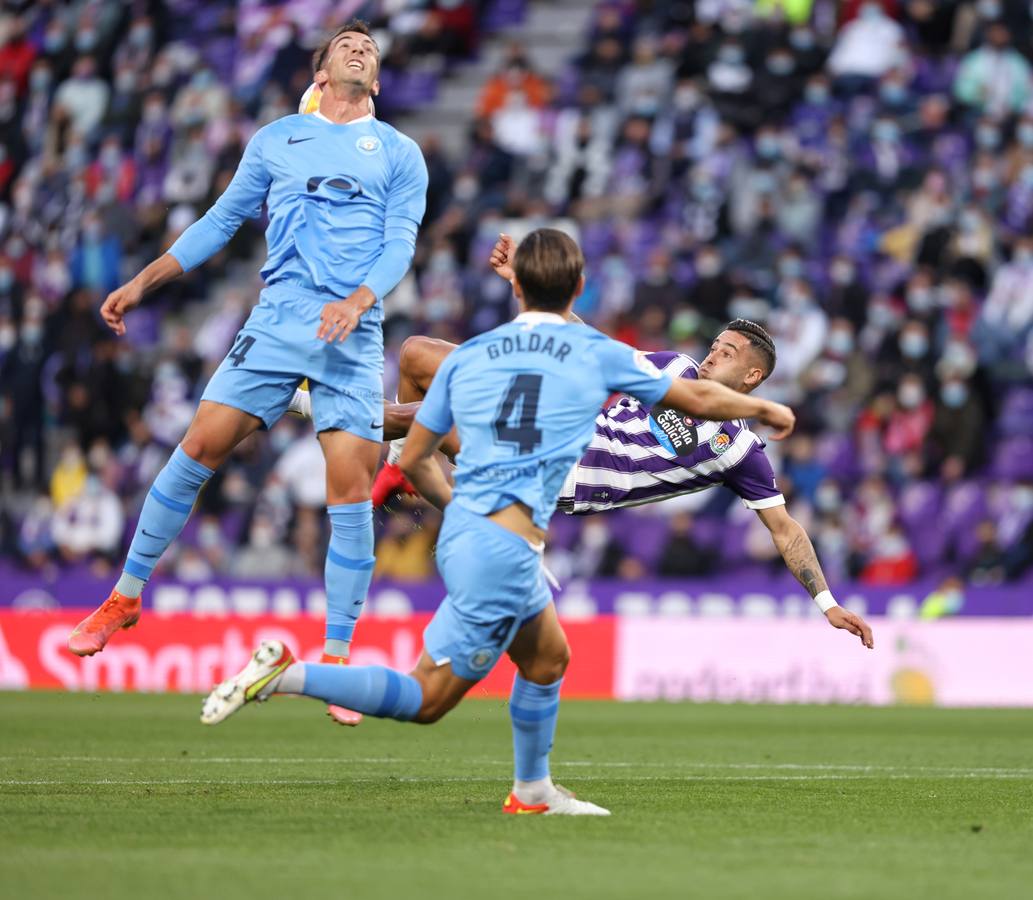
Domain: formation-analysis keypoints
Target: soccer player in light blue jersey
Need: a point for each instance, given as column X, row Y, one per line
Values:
column 345, row 194
column 524, row 398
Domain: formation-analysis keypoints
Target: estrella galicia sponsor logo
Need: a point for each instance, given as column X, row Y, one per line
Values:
column 368, row 143
column 720, row 442
column 675, row 432
column 482, row 659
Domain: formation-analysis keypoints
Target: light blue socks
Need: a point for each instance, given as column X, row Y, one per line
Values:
column 372, row 690
column 533, row 710
column 349, row 570
column 165, row 512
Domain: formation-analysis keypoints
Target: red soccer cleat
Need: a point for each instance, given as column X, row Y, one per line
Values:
column 390, row 480
column 339, row 714
column 93, row 632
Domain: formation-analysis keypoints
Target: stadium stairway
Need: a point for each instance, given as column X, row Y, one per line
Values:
column 551, row 32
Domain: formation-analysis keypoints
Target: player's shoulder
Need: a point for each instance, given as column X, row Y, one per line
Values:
column 394, row 139
column 285, row 125
column 679, row 365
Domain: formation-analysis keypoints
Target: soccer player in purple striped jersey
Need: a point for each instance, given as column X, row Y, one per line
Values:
column 640, row 455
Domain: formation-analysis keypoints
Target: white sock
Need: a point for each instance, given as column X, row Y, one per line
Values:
column 333, row 647
column 292, row 681
column 130, row 586
column 301, row 404
column 533, row 792
column 394, row 451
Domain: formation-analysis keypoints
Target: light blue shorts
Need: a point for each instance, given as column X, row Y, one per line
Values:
column 495, row 585
column 278, row 347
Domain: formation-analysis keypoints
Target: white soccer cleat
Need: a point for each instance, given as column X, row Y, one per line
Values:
column 560, row 802
column 254, row 682
column 301, row 404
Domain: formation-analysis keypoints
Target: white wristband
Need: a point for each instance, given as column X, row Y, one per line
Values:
column 825, row 601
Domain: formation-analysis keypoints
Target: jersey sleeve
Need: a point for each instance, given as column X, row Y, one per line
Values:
column 753, row 480
column 241, row 200
column 406, row 204
column 630, row 371
column 435, row 412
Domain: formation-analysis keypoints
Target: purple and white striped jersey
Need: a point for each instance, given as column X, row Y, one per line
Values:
column 640, row 456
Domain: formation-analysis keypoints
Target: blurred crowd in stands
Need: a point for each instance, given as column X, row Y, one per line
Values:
column 857, row 176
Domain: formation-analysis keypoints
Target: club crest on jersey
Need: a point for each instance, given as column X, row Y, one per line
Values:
column 720, row 442
column 482, row 659
column 368, row 144
column 644, row 364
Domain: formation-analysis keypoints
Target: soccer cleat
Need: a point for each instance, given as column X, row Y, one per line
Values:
column 561, row 803
column 253, row 682
column 339, row 714
column 390, row 480
column 93, row 632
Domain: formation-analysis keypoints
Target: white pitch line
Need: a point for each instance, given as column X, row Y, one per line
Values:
column 46, row 782
column 581, row 763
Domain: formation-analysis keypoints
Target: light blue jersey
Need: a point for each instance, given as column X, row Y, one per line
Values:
column 524, row 398
column 344, row 204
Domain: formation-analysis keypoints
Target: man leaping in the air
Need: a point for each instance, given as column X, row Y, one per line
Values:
column 640, row 455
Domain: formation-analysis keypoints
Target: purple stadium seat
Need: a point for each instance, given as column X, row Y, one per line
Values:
column 1013, row 458
column 504, row 14
column 1016, row 417
column 839, row 456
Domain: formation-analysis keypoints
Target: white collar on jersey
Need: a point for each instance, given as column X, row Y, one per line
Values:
column 366, row 118
column 535, row 317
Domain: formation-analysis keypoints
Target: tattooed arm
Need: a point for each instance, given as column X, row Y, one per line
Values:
column 798, row 552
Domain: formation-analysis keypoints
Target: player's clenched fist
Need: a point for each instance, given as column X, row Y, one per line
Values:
column 779, row 417
column 118, row 303
column 502, row 256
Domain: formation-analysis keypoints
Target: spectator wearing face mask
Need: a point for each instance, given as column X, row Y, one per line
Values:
column 958, row 433
column 711, row 292
column 847, row 296
column 909, row 422
column 994, row 78
column 84, row 96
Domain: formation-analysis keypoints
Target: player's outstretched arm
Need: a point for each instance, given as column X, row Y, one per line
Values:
column 713, row 401
column 121, row 300
column 422, row 469
column 797, row 550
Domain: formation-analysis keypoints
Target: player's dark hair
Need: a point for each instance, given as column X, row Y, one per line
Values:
column 760, row 341
column 548, row 264
column 358, row 26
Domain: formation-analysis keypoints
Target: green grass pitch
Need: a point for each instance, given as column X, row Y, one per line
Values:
column 128, row 796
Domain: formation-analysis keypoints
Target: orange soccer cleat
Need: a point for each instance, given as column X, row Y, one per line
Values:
column 560, row 802
column 93, row 632
column 339, row 714
column 515, row 806
column 390, row 480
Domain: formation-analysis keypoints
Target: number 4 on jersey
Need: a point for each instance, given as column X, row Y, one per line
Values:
column 520, row 404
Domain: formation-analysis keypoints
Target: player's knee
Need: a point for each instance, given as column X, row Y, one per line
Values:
column 547, row 667
column 409, row 355
column 418, row 357
column 433, row 709
column 201, row 448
